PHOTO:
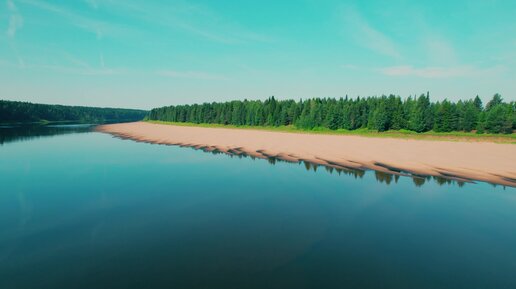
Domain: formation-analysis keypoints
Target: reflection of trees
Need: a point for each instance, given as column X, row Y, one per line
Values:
column 418, row 181
column 29, row 132
column 383, row 177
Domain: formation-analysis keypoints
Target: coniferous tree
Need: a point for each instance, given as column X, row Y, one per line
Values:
column 16, row 111
column 470, row 116
column 445, row 118
column 421, row 116
column 376, row 113
column 496, row 100
column 478, row 103
column 499, row 119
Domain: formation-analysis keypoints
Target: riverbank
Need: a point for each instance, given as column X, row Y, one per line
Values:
column 403, row 134
column 457, row 160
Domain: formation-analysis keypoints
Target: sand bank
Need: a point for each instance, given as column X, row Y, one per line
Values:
column 462, row 161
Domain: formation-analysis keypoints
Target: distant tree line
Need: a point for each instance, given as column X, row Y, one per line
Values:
column 383, row 113
column 15, row 111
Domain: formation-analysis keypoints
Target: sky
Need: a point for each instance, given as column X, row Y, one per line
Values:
column 145, row 54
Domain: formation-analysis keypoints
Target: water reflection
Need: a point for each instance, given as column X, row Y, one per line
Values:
column 381, row 177
column 385, row 177
column 89, row 211
column 15, row 133
column 28, row 132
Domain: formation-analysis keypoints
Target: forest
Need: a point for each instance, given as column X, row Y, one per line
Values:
column 25, row 112
column 383, row 113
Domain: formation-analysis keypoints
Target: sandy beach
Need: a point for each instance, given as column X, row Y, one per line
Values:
column 462, row 161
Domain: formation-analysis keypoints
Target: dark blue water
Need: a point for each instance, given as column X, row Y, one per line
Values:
column 81, row 209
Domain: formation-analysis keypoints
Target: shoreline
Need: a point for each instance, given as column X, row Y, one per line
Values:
column 459, row 161
column 401, row 134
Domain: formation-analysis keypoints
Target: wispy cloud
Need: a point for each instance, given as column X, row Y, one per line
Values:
column 368, row 36
column 350, row 66
column 87, row 23
column 82, row 67
column 103, row 71
column 191, row 75
column 74, row 60
column 439, row 50
column 197, row 20
column 14, row 49
column 102, row 63
column 74, row 66
column 92, row 3
column 15, row 19
column 15, row 23
column 439, row 72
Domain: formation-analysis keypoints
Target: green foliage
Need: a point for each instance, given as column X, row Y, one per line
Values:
column 496, row 100
column 499, row 119
column 421, row 117
column 374, row 113
column 23, row 112
column 445, row 117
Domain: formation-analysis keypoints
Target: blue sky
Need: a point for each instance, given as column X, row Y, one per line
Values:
column 144, row 54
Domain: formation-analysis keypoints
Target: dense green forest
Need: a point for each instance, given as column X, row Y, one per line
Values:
column 383, row 113
column 15, row 111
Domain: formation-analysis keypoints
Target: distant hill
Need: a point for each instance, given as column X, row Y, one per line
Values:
column 26, row 112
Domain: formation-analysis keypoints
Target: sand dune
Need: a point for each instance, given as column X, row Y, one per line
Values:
column 462, row 161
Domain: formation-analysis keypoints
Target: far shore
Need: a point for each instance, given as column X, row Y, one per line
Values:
column 456, row 160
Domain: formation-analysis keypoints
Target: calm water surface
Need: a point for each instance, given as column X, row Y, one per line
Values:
column 80, row 209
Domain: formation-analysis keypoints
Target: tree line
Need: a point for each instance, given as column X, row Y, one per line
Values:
column 23, row 112
column 383, row 113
